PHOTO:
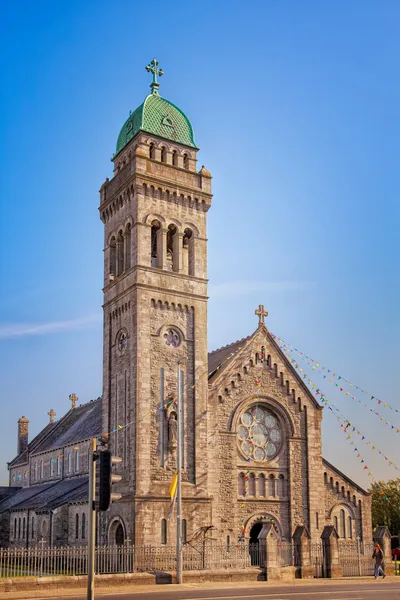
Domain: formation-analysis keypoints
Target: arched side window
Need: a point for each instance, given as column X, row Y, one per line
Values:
column 184, row 531
column 261, row 485
column 35, row 471
column 188, row 252
column 281, row 486
column 326, row 478
column 128, row 230
column 342, row 527
column 113, row 257
column 252, row 484
column 156, row 244
column 163, row 154
column 51, row 467
column 271, row 486
column 241, row 484
column 175, row 158
column 349, row 527
column 15, row 529
column 172, row 248
column 41, row 470
column 33, row 528
column 58, row 465
column 186, row 161
column 151, row 150
column 76, row 461
column 19, row 528
column 23, row 528
column 83, row 526
column 164, row 531
column 120, row 253
column 77, row 526
column 69, row 461
column 336, row 524
column 228, row 543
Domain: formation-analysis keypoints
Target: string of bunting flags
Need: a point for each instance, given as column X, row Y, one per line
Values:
column 317, row 366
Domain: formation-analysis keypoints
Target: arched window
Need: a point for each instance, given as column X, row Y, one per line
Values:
column 188, row 252
column 316, row 520
column 69, row 461
column 44, row 528
column 77, row 526
column 241, row 484
column 163, row 154
column 184, row 531
column 41, row 470
column 83, row 526
column 33, row 528
column 336, row 524
column 19, row 528
column 120, row 253
column 35, row 471
column 228, row 543
column 186, row 161
column 15, row 529
column 58, row 465
column 354, row 501
column 326, row 478
column 331, row 482
column 349, row 527
column 261, row 485
column 128, row 246
column 163, row 531
column 151, row 150
column 51, row 467
column 23, row 528
column 172, row 250
column 348, row 496
column 76, row 461
column 281, row 486
column 174, row 158
column 257, row 358
column 252, row 484
column 156, row 244
column 271, row 486
column 343, row 492
column 337, row 487
column 113, row 257
column 342, row 533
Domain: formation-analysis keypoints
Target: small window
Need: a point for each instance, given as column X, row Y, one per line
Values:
column 41, row 470
column 336, row 524
column 349, row 527
column 228, row 543
column 174, row 158
column 15, row 529
column 76, row 526
column 151, row 150
column 51, row 467
column 69, row 461
column 342, row 524
column 316, row 521
column 23, row 528
column 186, row 161
column 83, row 526
column 76, row 461
column 184, row 531
column 58, row 465
column 19, row 528
column 163, row 155
column 33, row 528
column 164, row 531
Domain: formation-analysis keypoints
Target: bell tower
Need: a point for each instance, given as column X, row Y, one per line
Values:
column 154, row 212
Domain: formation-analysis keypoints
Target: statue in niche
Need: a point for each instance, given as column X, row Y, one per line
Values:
column 172, row 431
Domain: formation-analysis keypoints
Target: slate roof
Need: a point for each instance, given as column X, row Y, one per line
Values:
column 217, row 357
column 48, row 496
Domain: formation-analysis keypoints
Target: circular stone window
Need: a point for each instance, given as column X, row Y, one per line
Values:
column 259, row 434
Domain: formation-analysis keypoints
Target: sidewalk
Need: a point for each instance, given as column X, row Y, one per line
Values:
column 125, row 588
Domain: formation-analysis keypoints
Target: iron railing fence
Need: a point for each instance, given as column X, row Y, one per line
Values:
column 356, row 558
column 46, row 561
column 317, row 559
column 285, row 554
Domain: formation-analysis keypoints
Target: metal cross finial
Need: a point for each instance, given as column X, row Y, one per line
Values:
column 74, row 399
column 52, row 414
column 261, row 313
column 153, row 68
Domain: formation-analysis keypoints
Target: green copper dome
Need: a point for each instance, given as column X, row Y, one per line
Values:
column 159, row 117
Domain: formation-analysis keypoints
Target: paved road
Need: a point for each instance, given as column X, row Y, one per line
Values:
column 385, row 590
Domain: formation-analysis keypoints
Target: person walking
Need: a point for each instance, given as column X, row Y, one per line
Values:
column 379, row 562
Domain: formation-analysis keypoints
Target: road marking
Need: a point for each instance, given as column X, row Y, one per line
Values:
column 277, row 594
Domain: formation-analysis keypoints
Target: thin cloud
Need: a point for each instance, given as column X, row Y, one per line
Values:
column 243, row 288
column 16, row 330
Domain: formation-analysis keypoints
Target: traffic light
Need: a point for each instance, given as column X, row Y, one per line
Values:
column 107, row 478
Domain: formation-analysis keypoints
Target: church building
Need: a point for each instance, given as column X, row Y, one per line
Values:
column 252, row 447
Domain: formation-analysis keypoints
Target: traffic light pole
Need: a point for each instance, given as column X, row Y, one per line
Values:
column 179, row 470
column 92, row 518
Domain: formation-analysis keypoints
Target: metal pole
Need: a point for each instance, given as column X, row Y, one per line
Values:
column 179, row 482
column 92, row 518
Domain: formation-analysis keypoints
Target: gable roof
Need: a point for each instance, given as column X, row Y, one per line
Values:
column 345, row 477
column 48, row 496
column 217, row 357
column 79, row 424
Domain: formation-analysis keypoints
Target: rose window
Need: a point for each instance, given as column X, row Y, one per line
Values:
column 172, row 338
column 259, row 434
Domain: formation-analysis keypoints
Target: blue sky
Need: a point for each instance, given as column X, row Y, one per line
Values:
column 295, row 106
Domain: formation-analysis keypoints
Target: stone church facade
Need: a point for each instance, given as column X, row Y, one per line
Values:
column 252, row 448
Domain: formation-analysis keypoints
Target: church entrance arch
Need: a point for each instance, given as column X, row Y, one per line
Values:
column 116, row 533
column 119, row 535
column 254, row 544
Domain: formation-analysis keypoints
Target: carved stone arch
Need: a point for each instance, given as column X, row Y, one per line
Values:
column 112, row 235
column 116, row 522
column 148, row 219
column 128, row 221
column 263, row 518
column 276, row 407
column 176, row 222
column 345, row 504
column 192, row 227
column 163, row 334
column 121, row 338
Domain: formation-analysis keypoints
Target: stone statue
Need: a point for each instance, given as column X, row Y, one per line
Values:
column 172, row 431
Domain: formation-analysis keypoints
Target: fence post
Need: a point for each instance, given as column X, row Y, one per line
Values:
column 359, row 556
column 383, row 538
column 330, row 547
column 302, row 553
column 269, row 539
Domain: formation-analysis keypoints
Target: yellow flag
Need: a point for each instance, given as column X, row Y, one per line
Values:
column 173, row 486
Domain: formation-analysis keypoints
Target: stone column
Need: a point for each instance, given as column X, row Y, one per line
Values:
column 268, row 540
column 383, row 538
column 302, row 552
column 330, row 545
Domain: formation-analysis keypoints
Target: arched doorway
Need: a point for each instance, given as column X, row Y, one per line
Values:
column 254, row 545
column 119, row 535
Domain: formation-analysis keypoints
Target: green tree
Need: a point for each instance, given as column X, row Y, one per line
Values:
column 386, row 504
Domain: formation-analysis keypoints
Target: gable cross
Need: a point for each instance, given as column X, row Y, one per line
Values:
column 153, row 68
column 261, row 313
column 52, row 414
column 74, row 399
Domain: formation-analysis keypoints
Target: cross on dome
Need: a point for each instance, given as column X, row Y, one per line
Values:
column 153, row 68
column 261, row 313
column 52, row 414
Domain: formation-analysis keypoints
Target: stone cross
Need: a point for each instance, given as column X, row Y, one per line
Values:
column 261, row 313
column 52, row 414
column 74, row 399
column 153, row 68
